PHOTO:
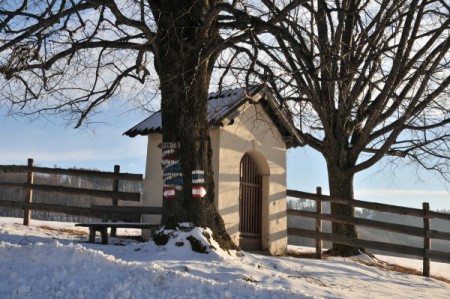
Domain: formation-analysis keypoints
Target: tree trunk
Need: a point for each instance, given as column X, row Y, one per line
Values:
column 184, row 68
column 341, row 186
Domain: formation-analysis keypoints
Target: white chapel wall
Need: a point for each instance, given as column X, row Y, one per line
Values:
column 253, row 132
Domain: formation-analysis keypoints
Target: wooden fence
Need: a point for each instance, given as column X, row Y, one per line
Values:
column 426, row 232
column 27, row 205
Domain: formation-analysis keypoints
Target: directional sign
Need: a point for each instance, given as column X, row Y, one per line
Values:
column 169, row 192
column 198, row 177
column 166, row 145
column 198, row 191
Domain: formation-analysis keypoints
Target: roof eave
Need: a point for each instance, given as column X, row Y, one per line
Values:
column 296, row 139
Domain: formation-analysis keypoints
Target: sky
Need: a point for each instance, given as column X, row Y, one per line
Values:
column 50, row 142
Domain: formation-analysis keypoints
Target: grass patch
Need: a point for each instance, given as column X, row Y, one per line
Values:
column 64, row 230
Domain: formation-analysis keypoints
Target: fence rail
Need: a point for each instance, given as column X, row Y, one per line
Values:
column 426, row 232
column 79, row 211
column 75, row 172
column 27, row 205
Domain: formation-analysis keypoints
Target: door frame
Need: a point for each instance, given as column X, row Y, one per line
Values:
column 252, row 196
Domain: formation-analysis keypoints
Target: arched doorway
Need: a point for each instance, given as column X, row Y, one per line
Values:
column 250, row 205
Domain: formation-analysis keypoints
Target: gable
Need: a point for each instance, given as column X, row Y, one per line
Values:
column 253, row 124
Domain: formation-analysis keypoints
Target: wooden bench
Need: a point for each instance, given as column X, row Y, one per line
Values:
column 102, row 227
column 120, row 212
column 124, row 213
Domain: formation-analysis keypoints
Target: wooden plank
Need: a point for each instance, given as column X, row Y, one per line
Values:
column 438, row 256
column 129, row 196
column 77, row 172
column 11, row 204
column 387, row 208
column 118, row 224
column 11, row 185
column 103, row 226
column 81, row 211
column 434, row 234
column 29, row 198
column 368, row 205
column 82, row 191
column 319, row 225
column 130, row 213
column 127, row 209
column 49, row 207
column 436, row 215
column 115, row 201
column 317, row 197
column 396, row 248
column 121, row 217
column 398, row 228
column 426, row 240
column 248, row 235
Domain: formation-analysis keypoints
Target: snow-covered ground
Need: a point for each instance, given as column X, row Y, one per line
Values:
column 36, row 262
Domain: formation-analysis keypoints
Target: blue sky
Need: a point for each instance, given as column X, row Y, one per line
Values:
column 50, row 142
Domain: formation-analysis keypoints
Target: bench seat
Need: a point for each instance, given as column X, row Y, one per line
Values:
column 102, row 227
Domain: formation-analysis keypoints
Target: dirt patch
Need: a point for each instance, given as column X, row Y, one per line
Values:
column 64, row 230
column 304, row 254
column 375, row 263
column 397, row 268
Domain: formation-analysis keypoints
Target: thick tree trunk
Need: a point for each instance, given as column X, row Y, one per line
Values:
column 341, row 185
column 185, row 71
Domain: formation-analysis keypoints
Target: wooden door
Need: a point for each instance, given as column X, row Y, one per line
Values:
column 250, row 205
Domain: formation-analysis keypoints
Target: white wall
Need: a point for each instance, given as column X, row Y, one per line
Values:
column 254, row 133
column 153, row 181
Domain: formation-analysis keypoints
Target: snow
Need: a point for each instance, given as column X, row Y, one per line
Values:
column 36, row 262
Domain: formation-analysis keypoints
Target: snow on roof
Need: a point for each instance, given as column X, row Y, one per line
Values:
column 224, row 104
column 220, row 104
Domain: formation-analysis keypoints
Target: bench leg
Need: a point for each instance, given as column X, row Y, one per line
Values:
column 104, row 233
column 113, row 232
column 92, row 234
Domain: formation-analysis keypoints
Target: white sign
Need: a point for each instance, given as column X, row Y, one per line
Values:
column 167, row 145
column 169, row 192
column 198, row 192
column 198, row 177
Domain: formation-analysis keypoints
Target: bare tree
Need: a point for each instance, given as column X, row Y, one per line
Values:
column 70, row 56
column 366, row 79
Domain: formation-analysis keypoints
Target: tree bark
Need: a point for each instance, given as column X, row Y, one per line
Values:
column 341, row 186
column 184, row 64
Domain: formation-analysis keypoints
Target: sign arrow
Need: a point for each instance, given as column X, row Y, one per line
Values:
column 198, row 191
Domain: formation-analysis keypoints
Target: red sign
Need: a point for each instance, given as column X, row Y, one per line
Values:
column 198, row 192
column 169, row 192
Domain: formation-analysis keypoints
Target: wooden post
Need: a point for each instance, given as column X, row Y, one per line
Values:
column 29, row 198
column 426, row 239
column 318, row 224
column 115, row 201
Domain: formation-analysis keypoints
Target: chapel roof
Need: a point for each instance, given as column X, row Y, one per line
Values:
column 223, row 107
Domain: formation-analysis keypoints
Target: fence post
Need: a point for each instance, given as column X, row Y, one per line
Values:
column 426, row 239
column 29, row 198
column 115, row 201
column 318, row 224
